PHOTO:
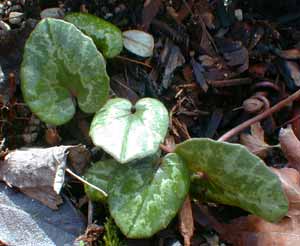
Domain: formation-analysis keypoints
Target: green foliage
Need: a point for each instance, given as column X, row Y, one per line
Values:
column 145, row 196
column 99, row 174
column 111, row 234
column 234, row 176
column 107, row 37
column 60, row 61
column 128, row 134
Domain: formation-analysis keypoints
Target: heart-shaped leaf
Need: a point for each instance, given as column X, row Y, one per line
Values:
column 138, row 42
column 234, row 176
column 144, row 197
column 59, row 60
column 99, row 174
column 130, row 132
column 107, row 37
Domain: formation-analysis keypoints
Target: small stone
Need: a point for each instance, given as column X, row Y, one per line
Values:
column 15, row 18
column 4, row 26
column 238, row 13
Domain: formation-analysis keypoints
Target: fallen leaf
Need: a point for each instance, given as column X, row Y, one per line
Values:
column 290, row 146
column 254, row 231
column 255, row 142
column 198, row 73
column 78, row 158
column 151, row 8
column 121, row 88
column 38, row 173
column 235, row 54
column 171, row 58
column 92, row 235
column 290, row 180
column 26, row 222
column 186, row 221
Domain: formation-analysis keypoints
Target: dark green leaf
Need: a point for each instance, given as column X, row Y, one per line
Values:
column 107, row 37
column 127, row 132
column 99, row 174
column 60, row 61
column 234, row 176
column 143, row 198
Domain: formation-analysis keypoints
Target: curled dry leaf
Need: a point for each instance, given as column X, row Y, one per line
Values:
column 172, row 58
column 290, row 180
column 253, row 105
column 37, row 172
column 254, row 231
column 150, row 10
column 255, row 142
column 290, row 146
column 186, row 222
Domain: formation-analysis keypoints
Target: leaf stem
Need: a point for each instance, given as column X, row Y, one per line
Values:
column 260, row 117
column 68, row 170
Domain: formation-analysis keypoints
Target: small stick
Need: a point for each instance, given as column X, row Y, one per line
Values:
column 229, row 82
column 133, row 61
column 68, row 170
column 90, row 212
column 260, row 117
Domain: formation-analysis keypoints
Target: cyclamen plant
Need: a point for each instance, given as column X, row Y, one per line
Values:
column 143, row 190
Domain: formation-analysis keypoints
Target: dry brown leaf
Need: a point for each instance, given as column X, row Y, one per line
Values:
column 37, row 172
column 255, row 141
column 186, row 221
column 254, row 231
column 290, row 146
column 290, row 179
column 151, row 8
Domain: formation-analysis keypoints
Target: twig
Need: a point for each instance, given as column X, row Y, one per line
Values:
column 90, row 212
column 68, row 170
column 229, row 82
column 260, row 117
column 133, row 61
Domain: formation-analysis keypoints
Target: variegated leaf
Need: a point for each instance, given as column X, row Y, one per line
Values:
column 60, row 61
column 234, row 176
column 130, row 132
column 144, row 197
